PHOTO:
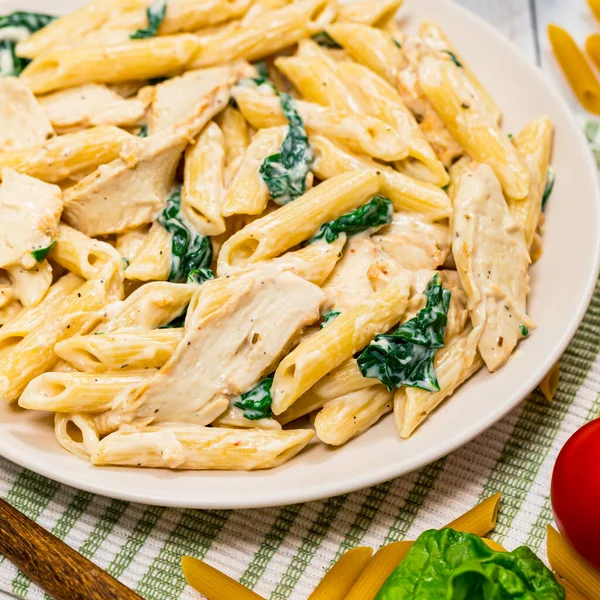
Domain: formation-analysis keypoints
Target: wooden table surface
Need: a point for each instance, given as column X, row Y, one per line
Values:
column 525, row 22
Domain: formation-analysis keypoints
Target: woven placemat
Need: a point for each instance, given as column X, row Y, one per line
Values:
column 283, row 552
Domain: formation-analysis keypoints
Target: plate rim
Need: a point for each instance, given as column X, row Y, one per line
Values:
column 384, row 472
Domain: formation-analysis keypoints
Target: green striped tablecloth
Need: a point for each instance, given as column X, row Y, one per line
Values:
column 283, row 552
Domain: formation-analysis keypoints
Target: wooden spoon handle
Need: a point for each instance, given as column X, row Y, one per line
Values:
column 61, row 571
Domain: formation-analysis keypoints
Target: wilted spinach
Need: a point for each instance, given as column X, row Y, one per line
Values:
column 191, row 253
column 257, row 402
column 405, row 357
column 156, row 13
column 329, row 316
column 550, row 179
column 14, row 28
column 377, row 211
column 324, row 39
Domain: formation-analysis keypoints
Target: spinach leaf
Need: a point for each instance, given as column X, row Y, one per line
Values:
column 285, row 172
column 257, row 401
column 178, row 321
column 377, row 211
column 143, row 132
column 405, row 357
column 550, row 179
column 191, row 253
column 451, row 565
column 329, row 316
column 324, row 39
column 41, row 253
column 453, row 57
column 200, row 275
column 16, row 27
column 263, row 72
column 156, row 13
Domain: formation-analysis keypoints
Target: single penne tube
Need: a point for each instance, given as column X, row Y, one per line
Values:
column 74, row 25
column 15, row 329
column 433, row 35
column 534, row 143
column 201, row 448
column 81, row 254
column 362, row 133
column 348, row 416
column 152, row 262
column 367, row 12
column 549, row 384
column 234, row 417
column 268, row 33
column 341, row 577
column 248, row 194
column 383, row 102
column 572, row 593
column 293, row 223
column 212, row 583
column 78, row 392
column 481, row 519
column 471, row 123
column 570, row 566
column 203, row 189
column 30, row 285
column 371, row 47
column 413, row 405
column 120, row 350
column 236, row 139
column 317, row 81
column 149, row 58
column 406, row 193
column 128, row 243
column 81, row 445
column 328, row 348
column 77, row 314
column 342, row 381
column 151, row 306
column 67, row 155
column 377, row 570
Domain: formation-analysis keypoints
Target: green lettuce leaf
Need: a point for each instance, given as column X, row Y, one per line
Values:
column 405, row 357
column 451, row 565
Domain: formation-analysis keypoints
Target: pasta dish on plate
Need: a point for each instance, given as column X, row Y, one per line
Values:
column 230, row 227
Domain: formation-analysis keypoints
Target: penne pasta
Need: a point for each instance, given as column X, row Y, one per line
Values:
column 481, row 519
column 365, row 12
column 471, row 123
column 361, row 133
column 534, row 143
column 294, row 222
column 234, row 417
column 78, row 392
column 152, row 262
column 120, row 350
column 236, row 138
column 203, row 190
column 193, row 447
column 331, row 346
column 247, row 193
column 549, row 384
column 81, row 445
column 348, row 416
column 406, row 193
column 67, row 155
column 81, row 254
column 133, row 59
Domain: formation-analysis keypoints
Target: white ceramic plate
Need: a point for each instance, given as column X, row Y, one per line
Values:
column 562, row 283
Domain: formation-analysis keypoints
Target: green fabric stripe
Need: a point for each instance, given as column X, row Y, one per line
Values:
column 365, row 516
column 262, row 557
column 30, row 494
column 142, row 530
column 310, row 544
column 192, row 536
column 536, row 428
column 113, row 513
column 537, row 533
column 417, row 496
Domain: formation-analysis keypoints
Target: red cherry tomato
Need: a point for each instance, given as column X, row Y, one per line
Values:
column 575, row 491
